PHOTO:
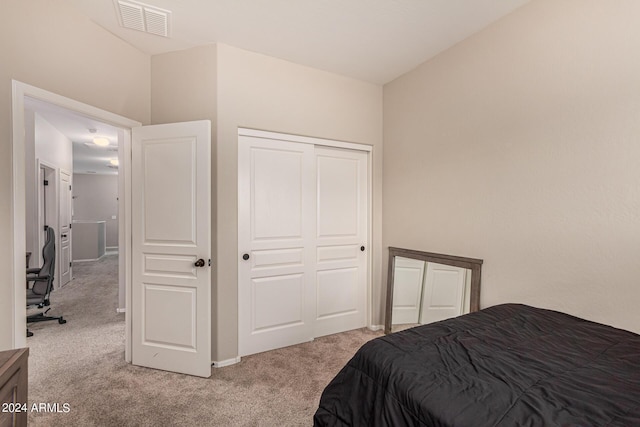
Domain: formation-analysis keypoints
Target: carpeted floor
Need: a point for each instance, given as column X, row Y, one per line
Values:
column 81, row 363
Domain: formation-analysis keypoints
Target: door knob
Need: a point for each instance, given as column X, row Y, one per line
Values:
column 199, row 263
column 245, row 257
column 362, row 248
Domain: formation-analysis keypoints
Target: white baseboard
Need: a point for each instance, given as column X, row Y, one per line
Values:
column 375, row 327
column 90, row 259
column 121, row 310
column 223, row 363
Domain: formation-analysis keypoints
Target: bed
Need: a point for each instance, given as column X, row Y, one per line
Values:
column 507, row 365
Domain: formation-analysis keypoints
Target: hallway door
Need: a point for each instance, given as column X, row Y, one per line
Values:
column 65, row 229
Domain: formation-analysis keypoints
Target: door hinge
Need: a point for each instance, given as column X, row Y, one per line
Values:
column 46, row 182
column 46, row 227
column 69, row 188
column 69, row 263
column 69, row 225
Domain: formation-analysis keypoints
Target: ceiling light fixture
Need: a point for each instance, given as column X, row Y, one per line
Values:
column 102, row 142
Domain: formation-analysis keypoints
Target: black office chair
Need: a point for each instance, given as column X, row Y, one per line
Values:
column 42, row 279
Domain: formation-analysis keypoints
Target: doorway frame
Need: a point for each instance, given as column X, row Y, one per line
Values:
column 52, row 210
column 17, row 221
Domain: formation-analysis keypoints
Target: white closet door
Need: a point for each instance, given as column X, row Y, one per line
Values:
column 443, row 292
column 276, row 204
column 341, row 242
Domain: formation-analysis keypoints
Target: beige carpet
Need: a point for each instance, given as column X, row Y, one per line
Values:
column 82, row 363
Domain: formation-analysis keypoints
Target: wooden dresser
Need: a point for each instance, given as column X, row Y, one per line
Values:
column 13, row 387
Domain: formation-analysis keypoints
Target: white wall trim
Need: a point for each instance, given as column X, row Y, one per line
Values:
column 124, row 232
column 303, row 139
column 227, row 362
column 18, row 223
column 375, row 327
column 19, row 92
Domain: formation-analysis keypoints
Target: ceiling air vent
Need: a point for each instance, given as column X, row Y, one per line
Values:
column 143, row 17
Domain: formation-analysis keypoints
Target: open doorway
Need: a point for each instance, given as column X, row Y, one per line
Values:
column 71, row 187
column 71, row 193
column 23, row 98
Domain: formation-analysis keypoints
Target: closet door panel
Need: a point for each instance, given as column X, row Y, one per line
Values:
column 276, row 265
column 341, row 240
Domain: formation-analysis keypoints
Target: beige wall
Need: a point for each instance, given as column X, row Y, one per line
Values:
column 183, row 86
column 260, row 92
column 520, row 146
column 47, row 44
column 51, row 146
column 95, row 198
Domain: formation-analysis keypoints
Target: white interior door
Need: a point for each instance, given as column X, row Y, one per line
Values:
column 171, row 246
column 408, row 280
column 443, row 292
column 64, row 233
column 276, row 261
column 341, row 240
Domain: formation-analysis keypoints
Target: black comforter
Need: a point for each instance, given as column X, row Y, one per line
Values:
column 508, row 365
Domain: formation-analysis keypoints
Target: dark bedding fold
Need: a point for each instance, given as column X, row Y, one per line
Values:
column 506, row 365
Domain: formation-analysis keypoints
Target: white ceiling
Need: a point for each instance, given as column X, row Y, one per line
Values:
column 87, row 157
column 371, row 40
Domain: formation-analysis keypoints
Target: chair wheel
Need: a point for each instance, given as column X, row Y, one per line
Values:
column 62, row 321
